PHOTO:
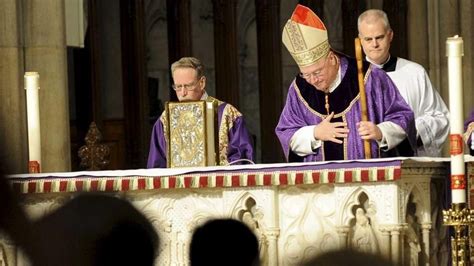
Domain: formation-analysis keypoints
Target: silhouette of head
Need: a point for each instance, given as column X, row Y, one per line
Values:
column 224, row 242
column 97, row 230
column 347, row 257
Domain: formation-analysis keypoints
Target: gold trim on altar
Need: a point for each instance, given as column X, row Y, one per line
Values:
column 192, row 134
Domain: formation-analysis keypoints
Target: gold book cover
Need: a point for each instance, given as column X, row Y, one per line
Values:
column 191, row 133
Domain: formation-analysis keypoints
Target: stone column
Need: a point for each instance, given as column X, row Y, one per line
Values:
column 433, row 42
column 449, row 25
column 385, row 244
column 226, row 51
column 13, row 137
column 467, row 22
column 425, row 245
column 179, row 33
column 395, row 244
column 342, row 232
column 402, row 243
column 272, row 235
column 9, row 250
column 269, row 76
column 45, row 53
column 417, row 20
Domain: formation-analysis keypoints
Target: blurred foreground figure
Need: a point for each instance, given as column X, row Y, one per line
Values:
column 224, row 242
column 347, row 257
column 96, row 230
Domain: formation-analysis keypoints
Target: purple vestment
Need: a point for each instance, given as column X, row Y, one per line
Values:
column 234, row 139
column 305, row 106
column 466, row 124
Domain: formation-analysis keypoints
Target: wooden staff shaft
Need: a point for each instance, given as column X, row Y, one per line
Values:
column 363, row 98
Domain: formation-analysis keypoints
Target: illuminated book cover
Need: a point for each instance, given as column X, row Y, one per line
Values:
column 192, row 137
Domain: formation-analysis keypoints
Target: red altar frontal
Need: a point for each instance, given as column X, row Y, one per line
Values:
column 387, row 206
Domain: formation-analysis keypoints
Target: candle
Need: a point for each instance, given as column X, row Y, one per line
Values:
column 32, row 109
column 454, row 52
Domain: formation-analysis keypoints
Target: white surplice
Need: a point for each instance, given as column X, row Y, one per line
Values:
column 431, row 113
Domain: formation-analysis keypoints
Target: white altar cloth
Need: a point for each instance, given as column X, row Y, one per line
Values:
column 300, row 209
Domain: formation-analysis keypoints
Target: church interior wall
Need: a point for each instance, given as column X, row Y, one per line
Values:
column 427, row 31
column 110, row 60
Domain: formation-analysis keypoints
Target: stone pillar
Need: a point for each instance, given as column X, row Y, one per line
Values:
column 434, row 69
column 448, row 26
column 395, row 244
column 13, row 137
column 179, row 33
column 385, row 244
column 272, row 235
column 467, row 23
column 342, row 232
column 417, row 35
column 425, row 245
column 269, row 76
column 226, row 51
column 45, row 53
column 402, row 243
column 8, row 252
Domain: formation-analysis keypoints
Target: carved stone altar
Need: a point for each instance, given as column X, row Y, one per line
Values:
column 391, row 206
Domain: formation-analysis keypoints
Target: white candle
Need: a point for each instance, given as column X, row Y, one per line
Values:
column 32, row 109
column 455, row 52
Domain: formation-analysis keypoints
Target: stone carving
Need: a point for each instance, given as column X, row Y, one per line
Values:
column 412, row 240
column 302, row 210
column 3, row 256
column 294, row 222
column 364, row 239
column 253, row 218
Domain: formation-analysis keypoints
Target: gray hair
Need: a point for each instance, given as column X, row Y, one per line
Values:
column 373, row 15
column 189, row 62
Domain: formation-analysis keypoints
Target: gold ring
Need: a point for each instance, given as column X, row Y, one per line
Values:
column 334, row 135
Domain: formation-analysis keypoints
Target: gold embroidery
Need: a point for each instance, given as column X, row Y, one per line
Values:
column 312, row 55
column 229, row 115
column 298, row 47
column 341, row 114
column 322, row 116
column 164, row 122
column 295, row 36
column 344, row 141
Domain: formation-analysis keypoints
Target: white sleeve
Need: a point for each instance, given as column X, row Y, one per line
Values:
column 432, row 118
column 303, row 142
column 392, row 135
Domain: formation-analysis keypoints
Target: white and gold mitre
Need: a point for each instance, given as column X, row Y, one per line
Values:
column 305, row 36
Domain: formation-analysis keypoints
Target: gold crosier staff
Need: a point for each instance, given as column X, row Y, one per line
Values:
column 363, row 98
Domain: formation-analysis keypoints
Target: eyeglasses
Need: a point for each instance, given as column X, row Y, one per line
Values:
column 317, row 74
column 186, row 87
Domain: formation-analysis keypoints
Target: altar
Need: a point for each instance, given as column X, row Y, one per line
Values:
column 386, row 206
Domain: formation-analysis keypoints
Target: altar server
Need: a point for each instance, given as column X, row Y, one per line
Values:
column 411, row 79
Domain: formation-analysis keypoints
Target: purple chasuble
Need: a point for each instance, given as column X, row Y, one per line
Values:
column 237, row 146
column 466, row 124
column 305, row 106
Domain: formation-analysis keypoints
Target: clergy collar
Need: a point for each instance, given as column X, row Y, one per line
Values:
column 337, row 81
column 388, row 66
column 204, row 96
